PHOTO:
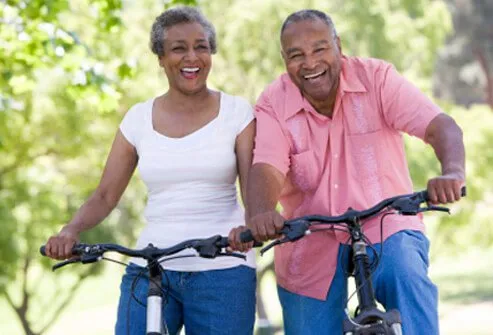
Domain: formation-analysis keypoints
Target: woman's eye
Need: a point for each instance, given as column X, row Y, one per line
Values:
column 178, row 49
column 295, row 56
column 319, row 50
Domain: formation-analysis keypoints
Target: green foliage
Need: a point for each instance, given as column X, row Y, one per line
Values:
column 53, row 88
column 60, row 78
column 469, row 225
column 170, row 3
column 69, row 69
column 406, row 33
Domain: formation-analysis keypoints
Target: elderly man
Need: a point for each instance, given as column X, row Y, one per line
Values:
column 329, row 138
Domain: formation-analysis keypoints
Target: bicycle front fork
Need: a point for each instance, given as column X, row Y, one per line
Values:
column 370, row 320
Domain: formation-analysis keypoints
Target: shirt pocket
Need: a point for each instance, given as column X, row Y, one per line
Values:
column 305, row 170
column 360, row 117
column 368, row 163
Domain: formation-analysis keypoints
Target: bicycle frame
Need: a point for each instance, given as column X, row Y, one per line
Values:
column 370, row 319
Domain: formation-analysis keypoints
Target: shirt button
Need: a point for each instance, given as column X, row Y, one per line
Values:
column 336, row 186
column 336, row 156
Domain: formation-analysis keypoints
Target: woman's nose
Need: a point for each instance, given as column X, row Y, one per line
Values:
column 191, row 55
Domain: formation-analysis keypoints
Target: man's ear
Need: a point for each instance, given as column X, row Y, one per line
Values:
column 338, row 42
column 161, row 61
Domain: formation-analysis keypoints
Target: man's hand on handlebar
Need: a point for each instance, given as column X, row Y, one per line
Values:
column 235, row 243
column 445, row 189
column 266, row 226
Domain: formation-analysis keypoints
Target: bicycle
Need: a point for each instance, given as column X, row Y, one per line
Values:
column 211, row 247
column 368, row 319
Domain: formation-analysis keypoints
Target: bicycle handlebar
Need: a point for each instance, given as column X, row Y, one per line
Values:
column 408, row 204
column 89, row 253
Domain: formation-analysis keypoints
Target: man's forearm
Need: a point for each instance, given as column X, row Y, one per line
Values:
column 263, row 189
column 445, row 137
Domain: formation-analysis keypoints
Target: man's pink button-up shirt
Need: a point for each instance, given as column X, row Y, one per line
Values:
column 354, row 159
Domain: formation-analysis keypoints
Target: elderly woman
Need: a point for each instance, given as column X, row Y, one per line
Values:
column 190, row 145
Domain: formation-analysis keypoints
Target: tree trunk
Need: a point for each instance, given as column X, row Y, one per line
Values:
column 23, row 308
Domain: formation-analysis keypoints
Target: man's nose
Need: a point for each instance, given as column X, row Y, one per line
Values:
column 310, row 62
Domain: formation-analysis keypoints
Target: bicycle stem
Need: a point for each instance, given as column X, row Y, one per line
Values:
column 361, row 263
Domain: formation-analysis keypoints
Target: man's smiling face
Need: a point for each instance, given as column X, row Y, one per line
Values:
column 312, row 55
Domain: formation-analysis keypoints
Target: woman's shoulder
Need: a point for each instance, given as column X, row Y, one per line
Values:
column 236, row 102
column 135, row 120
column 237, row 111
column 140, row 108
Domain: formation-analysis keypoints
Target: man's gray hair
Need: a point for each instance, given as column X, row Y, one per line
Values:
column 178, row 15
column 309, row 14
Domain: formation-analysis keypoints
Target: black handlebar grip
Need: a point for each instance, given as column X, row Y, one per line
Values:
column 463, row 193
column 75, row 251
column 246, row 236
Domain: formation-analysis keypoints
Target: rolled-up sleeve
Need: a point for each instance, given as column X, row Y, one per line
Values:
column 271, row 143
column 404, row 106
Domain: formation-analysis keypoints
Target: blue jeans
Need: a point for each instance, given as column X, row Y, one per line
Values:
column 206, row 302
column 400, row 281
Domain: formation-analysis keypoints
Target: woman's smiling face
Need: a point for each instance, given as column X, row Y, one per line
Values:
column 187, row 57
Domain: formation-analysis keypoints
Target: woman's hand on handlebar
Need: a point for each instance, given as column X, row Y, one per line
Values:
column 60, row 246
column 266, row 226
column 234, row 240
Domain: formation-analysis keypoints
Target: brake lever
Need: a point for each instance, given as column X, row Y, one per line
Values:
column 407, row 206
column 86, row 259
column 209, row 248
column 292, row 231
column 67, row 262
column 272, row 244
column 434, row 208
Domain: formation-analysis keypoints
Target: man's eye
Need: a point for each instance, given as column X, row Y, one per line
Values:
column 319, row 50
column 295, row 56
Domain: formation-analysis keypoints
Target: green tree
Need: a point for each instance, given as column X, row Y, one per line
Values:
column 62, row 77
column 60, row 88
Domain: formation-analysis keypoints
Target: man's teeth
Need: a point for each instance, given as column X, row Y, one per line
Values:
column 310, row 76
column 190, row 69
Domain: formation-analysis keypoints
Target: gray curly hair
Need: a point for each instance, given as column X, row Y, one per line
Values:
column 309, row 14
column 174, row 16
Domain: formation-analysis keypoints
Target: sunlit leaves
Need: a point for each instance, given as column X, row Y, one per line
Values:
column 470, row 223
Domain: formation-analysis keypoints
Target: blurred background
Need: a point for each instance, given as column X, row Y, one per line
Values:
column 70, row 69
